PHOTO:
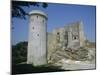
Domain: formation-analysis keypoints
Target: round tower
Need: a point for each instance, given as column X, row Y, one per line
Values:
column 37, row 42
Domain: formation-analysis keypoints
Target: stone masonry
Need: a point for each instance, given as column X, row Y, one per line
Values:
column 70, row 36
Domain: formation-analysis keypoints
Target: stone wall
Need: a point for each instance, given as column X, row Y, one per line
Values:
column 69, row 37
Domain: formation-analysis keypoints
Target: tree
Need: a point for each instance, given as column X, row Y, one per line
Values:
column 19, row 12
column 19, row 52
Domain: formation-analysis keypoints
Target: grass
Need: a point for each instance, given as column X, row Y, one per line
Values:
column 28, row 68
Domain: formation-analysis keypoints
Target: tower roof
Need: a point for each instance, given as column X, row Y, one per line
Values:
column 39, row 12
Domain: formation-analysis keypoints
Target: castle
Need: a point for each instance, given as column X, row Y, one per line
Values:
column 41, row 45
column 70, row 36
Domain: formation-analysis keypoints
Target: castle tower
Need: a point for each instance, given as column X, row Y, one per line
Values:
column 37, row 42
column 76, row 36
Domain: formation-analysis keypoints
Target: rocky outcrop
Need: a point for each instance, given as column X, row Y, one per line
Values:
column 80, row 54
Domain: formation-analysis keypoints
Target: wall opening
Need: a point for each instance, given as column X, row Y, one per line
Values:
column 37, row 34
column 32, row 27
column 58, row 33
column 75, row 37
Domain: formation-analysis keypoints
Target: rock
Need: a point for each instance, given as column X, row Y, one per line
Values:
column 81, row 54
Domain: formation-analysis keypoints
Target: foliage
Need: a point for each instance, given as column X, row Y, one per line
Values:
column 19, row 12
column 19, row 52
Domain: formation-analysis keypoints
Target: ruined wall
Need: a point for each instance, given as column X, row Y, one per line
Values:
column 70, row 36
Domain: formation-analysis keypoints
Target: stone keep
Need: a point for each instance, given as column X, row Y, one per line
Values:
column 37, row 42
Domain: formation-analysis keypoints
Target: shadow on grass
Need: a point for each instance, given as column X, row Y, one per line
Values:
column 28, row 68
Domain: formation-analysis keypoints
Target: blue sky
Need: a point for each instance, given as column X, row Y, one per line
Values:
column 59, row 15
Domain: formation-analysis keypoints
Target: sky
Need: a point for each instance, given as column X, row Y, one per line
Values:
column 59, row 15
